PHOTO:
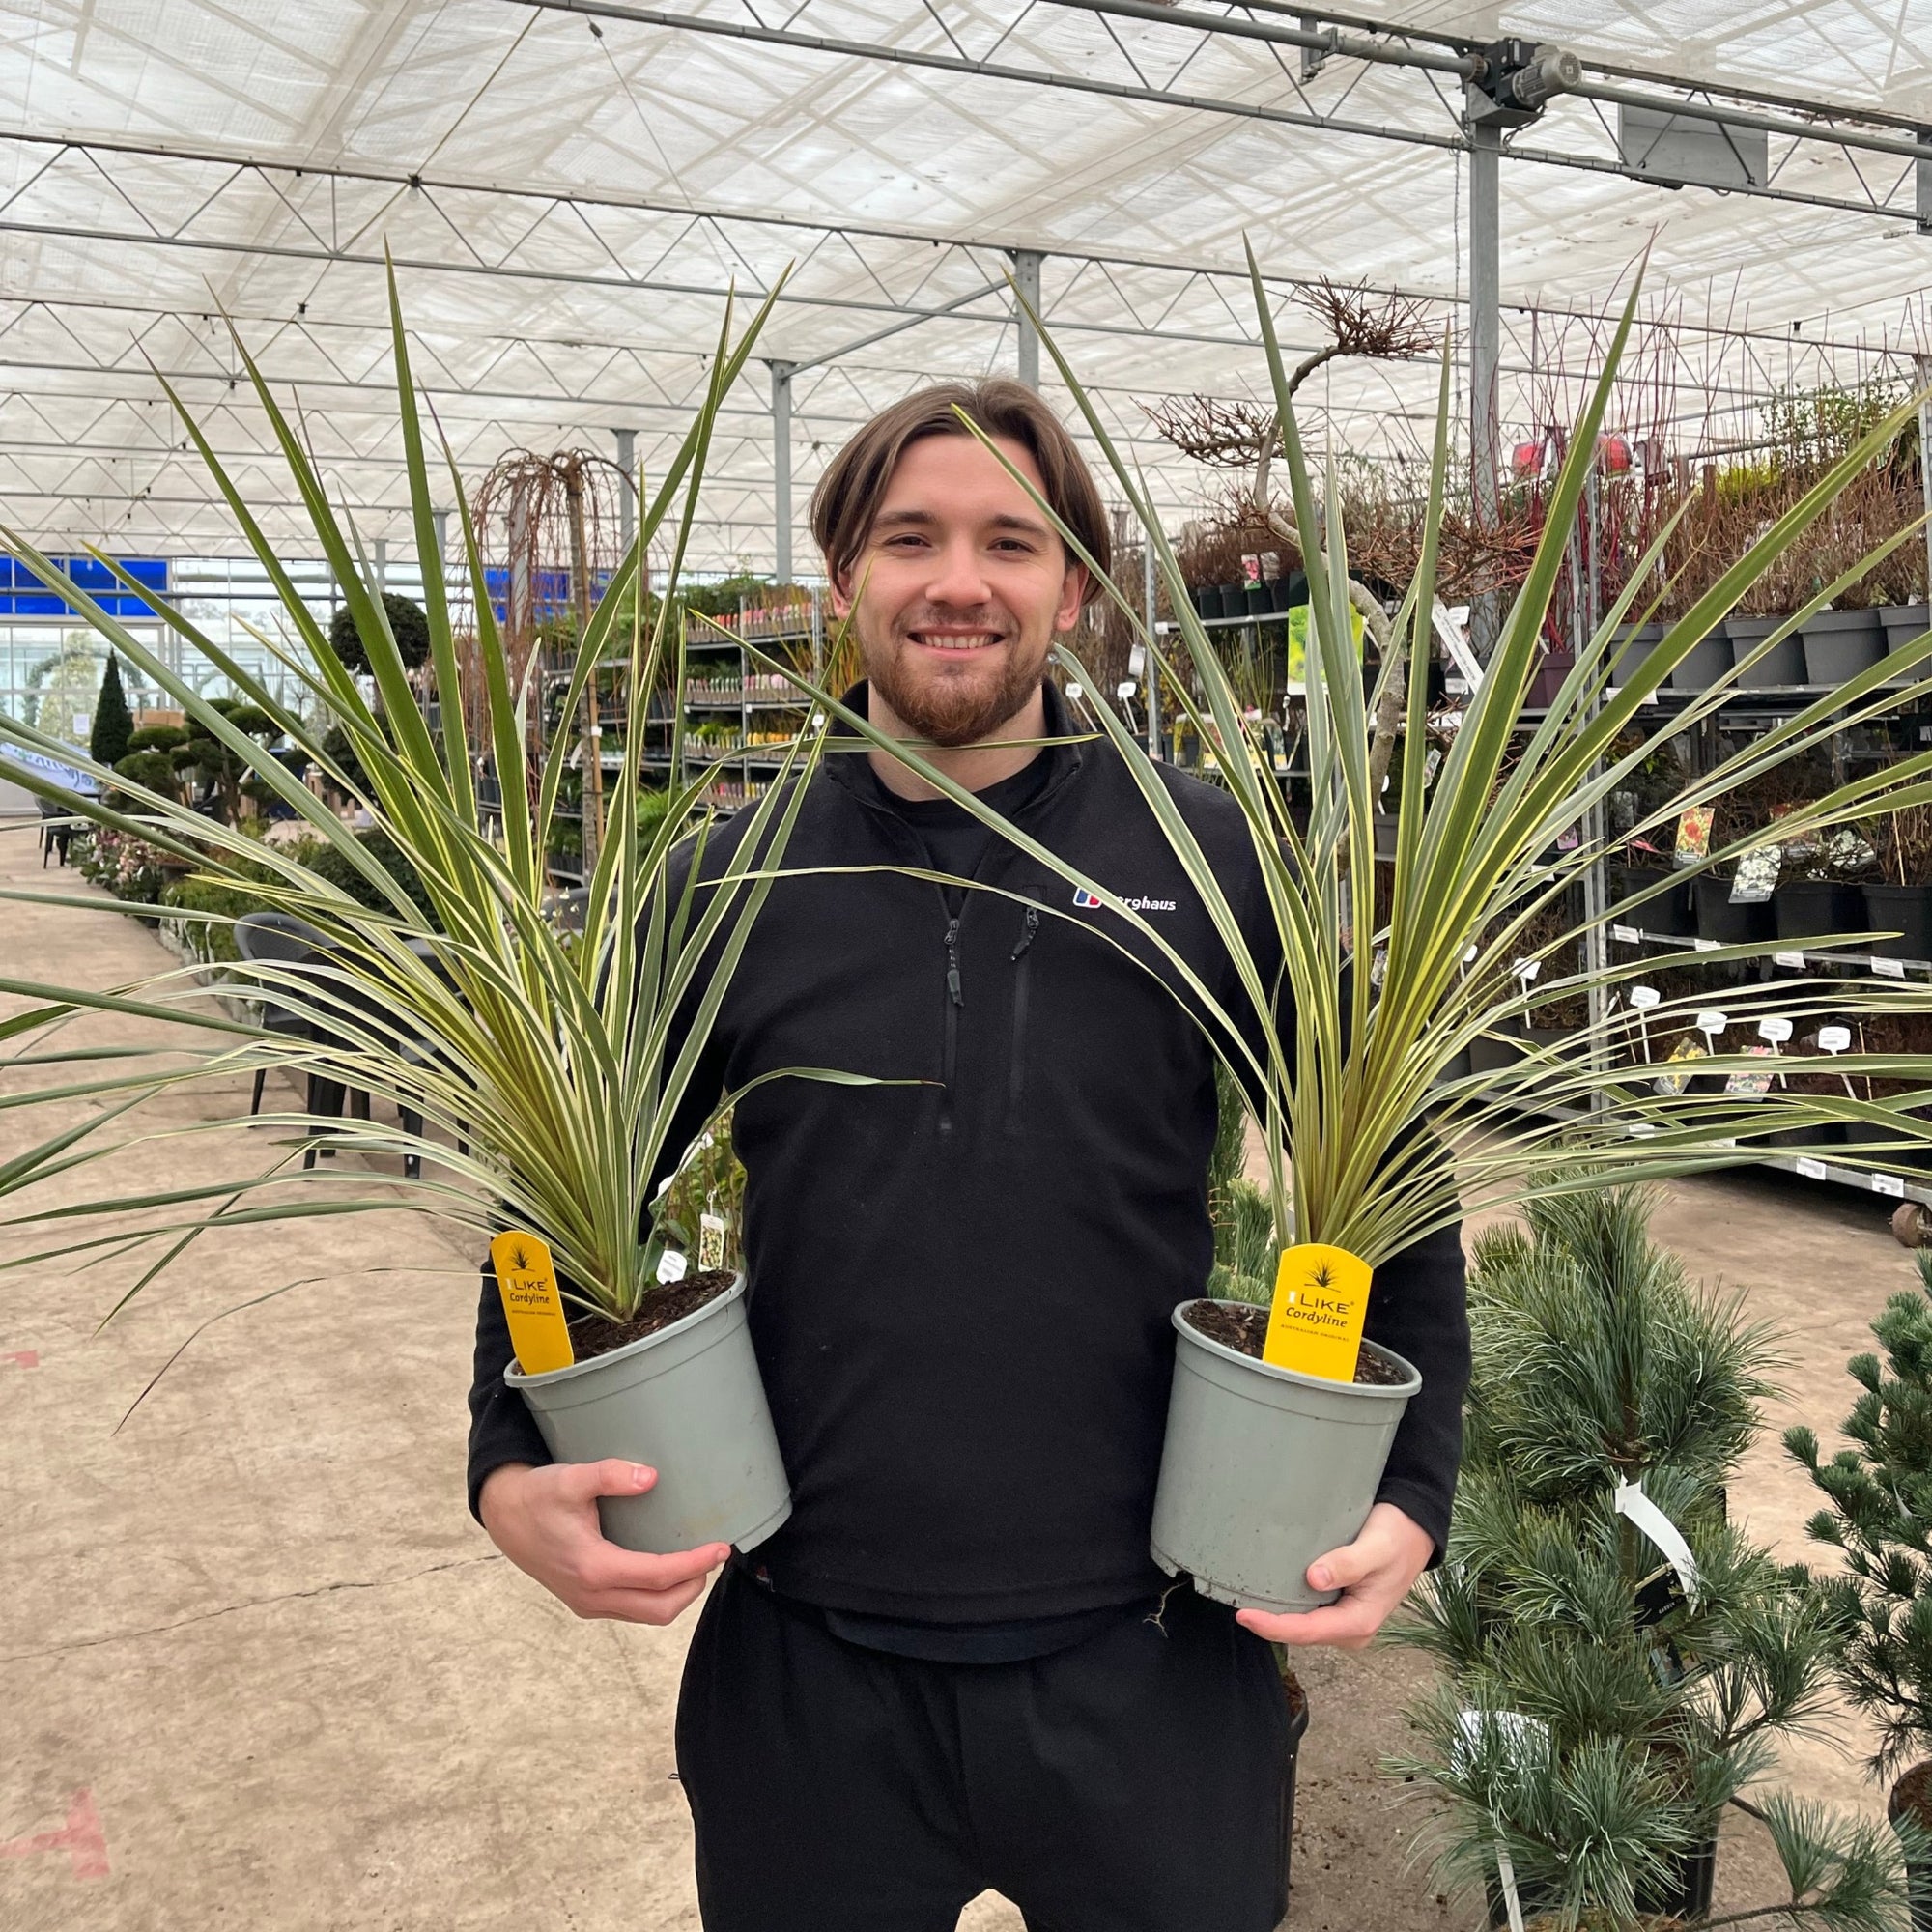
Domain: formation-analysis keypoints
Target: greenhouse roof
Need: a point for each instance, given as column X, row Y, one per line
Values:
column 569, row 189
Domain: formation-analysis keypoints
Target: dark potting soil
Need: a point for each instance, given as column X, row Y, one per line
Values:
column 1244, row 1329
column 1912, row 1797
column 592, row 1335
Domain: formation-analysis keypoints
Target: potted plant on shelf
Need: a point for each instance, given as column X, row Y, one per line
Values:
column 539, row 1068
column 1347, row 1023
column 1618, row 1660
column 1898, row 899
column 1879, row 1517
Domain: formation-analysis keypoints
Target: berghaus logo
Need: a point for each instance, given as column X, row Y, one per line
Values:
column 1086, row 901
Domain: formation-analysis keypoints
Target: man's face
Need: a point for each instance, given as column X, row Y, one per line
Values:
column 961, row 587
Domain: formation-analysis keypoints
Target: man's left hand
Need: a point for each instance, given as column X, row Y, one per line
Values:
column 1374, row 1575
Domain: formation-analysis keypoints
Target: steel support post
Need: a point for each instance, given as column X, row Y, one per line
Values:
column 781, row 467
column 1152, row 663
column 1486, row 143
column 1026, row 276
column 1586, row 591
column 1922, row 364
column 627, row 497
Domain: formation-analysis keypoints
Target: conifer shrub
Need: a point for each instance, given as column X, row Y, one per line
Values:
column 1597, row 1710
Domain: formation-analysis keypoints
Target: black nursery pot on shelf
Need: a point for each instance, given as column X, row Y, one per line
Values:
column 1839, row 644
column 1817, row 908
column 1729, row 923
column 1782, row 665
column 1670, row 912
column 1905, row 624
column 1906, row 910
column 1208, row 600
column 1706, row 660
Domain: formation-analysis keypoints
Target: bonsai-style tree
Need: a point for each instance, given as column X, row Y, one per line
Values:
column 107, row 743
column 349, row 632
column 1600, row 1706
column 1880, row 1517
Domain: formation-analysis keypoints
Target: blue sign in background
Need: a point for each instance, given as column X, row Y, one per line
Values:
column 22, row 594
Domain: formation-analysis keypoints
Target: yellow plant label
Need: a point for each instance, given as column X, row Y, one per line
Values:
column 526, row 1280
column 1320, row 1302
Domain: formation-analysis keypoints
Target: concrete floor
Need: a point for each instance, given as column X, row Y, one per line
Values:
column 261, row 1669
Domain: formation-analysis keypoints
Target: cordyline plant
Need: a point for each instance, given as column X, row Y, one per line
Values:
column 1367, row 1024
column 554, row 1062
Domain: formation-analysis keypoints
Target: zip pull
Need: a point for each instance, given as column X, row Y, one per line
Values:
column 953, row 985
column 1026, row 938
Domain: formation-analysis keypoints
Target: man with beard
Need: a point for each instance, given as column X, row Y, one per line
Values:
column 956, row 1667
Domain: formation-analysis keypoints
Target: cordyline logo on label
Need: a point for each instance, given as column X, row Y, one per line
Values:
column 1088, row 902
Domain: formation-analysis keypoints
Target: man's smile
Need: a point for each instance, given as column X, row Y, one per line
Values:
column 953, row 638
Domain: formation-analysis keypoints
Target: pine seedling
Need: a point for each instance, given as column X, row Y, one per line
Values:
column 1599, row 1705
column 1880, row 1517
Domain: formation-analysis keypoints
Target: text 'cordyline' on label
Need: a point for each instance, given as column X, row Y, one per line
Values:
column 526, row 1280
column 1320, row 1302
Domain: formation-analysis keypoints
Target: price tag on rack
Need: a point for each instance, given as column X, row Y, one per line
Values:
column 1888, row 1184
column 1795, row 960
column 1625, row 935
column 1705, row 944
column 1888, row 969
column 1811, row 1170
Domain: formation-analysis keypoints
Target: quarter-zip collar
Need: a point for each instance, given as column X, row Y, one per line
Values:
column 1066, row 759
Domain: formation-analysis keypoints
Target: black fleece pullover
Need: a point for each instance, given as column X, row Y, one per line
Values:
column 961, row 1292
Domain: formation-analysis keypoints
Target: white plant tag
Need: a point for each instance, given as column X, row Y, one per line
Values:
column 1625, row 935
column 1888, row 969
column 1643, row 998
column 1777, row 1030
column 1632, row 1503
column 671, row 1266
column 1888, row 1184
column 1833, row 1038
column 1526, row 970
column 1506, row 1878
column 1812, row 1169
column 1795, row 960
column 1712, row 1024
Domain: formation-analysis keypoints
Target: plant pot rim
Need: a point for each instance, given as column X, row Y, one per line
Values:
column 517, row 1378
column 1378, row 1391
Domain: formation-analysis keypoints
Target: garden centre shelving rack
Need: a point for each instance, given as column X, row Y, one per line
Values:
column 738, row 718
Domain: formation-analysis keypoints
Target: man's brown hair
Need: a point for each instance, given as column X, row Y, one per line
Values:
column 854, row 484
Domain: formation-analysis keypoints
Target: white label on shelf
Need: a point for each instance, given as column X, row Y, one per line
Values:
column 1888, row 969
column 1888, row 1184
column 1811, row 1170
column 1625, row 935
column 1705, row 944
column 1795, row 960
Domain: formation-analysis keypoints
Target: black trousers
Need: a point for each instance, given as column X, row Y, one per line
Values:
column 1132, row 1783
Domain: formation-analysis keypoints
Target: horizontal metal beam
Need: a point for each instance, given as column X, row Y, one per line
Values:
column 1080, row 83
column 1329, row 41
column 135, row 238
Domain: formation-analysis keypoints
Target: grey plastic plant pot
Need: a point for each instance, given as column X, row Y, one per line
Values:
column 1264, row 1469
column 688, row 1402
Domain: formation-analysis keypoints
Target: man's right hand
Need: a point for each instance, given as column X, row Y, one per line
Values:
column 545, row 1522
